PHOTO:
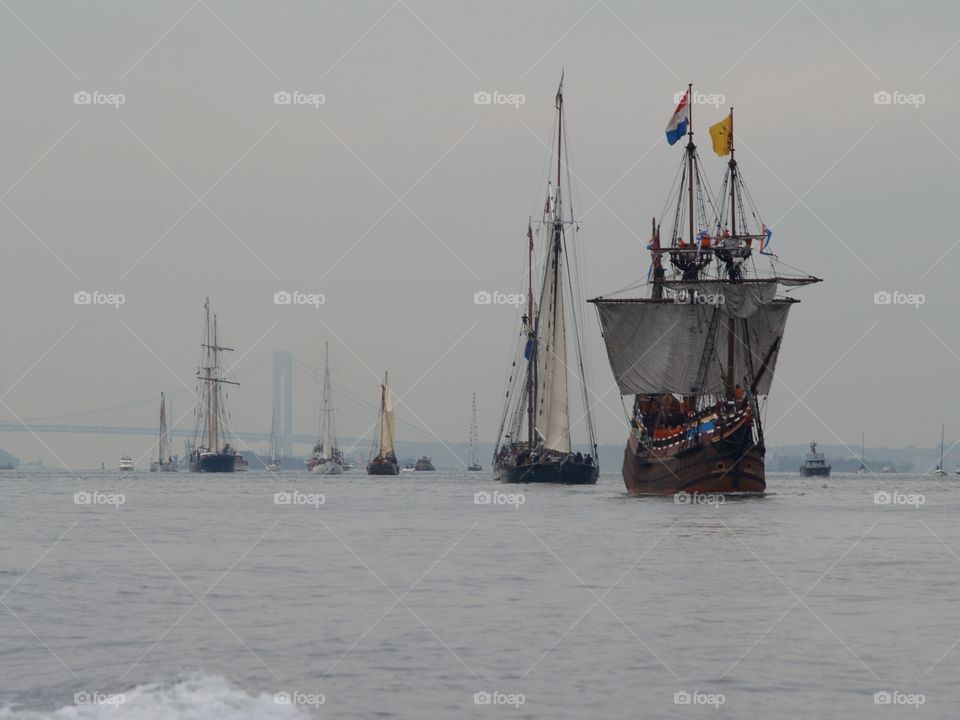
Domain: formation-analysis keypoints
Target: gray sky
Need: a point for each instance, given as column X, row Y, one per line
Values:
column 300, row 197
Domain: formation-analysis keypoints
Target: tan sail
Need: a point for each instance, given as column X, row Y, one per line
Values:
column 387, row 422
column 554, row 413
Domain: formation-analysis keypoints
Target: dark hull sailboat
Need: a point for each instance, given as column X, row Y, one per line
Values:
column 698, row 356
column 566, row 472
column 221, row 462
column 383, row 467
column 534, row 443
column 385, row 461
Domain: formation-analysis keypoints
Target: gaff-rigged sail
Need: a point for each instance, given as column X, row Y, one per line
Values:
column 387, row 422
column 553, row 416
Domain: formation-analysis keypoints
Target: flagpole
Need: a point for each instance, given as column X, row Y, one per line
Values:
column 733, row 183
column 690, row 149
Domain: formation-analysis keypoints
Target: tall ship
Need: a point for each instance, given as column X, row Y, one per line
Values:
column 326, row 458
column 698, row 354
column 211, row 452
column 385, row 461
column 815, row 464
column 165, row 461
column 474, row 465
column 533, row 441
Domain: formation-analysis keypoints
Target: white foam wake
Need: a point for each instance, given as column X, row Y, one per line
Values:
column 195, row 697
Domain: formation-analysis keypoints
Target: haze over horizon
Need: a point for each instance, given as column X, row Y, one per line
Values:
column 398, row 197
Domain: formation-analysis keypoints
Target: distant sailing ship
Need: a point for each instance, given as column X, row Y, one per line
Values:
column 385, row 461
column 274, row 461
column 534, row 437
column 698, row 355
column 940, row 472
column 208, row 454
column 815, row 464
column 474, row 465
column 327, row 458
column 164, row 462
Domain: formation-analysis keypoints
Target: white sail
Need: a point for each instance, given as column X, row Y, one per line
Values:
column 387, row 424
column 656, row 347
column 554, row 413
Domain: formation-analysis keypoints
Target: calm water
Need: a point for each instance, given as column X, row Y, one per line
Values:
column 201, row 597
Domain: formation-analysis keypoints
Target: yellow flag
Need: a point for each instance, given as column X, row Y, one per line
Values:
column 722, row 136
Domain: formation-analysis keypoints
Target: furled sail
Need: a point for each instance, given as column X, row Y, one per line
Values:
column 554, row 414
column 657, row 346
column 387, row 427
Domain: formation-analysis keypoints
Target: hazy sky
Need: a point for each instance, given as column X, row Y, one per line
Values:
column 398, row 197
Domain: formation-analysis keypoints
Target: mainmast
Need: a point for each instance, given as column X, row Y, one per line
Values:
column 531, row 342
column 731, row 321
column 691, row 151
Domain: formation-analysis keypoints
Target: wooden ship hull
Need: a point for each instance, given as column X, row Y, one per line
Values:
column 383, row 468
column 214, row 463
column 727, row 462
column 567, row 472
